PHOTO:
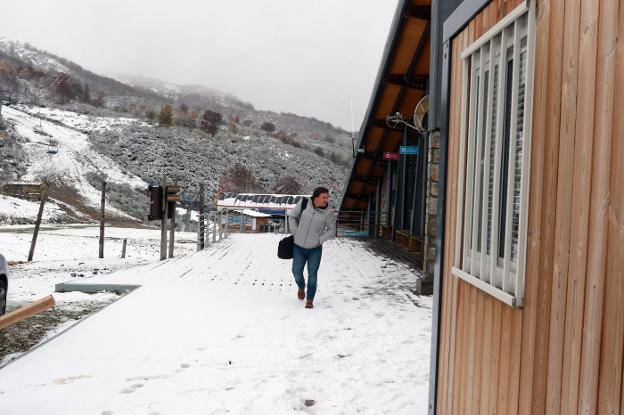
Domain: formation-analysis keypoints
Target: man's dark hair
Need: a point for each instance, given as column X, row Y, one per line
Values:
column 317, row 192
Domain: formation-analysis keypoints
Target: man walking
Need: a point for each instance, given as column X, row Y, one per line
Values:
column 311, row 223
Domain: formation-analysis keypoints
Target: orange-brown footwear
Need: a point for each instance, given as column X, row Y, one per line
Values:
column 309, row 304
column 301, row 293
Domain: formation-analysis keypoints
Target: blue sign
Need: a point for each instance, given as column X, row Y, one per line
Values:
column 408, row 150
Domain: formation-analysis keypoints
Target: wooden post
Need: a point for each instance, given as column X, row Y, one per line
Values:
column 201, row 219
column 33, row 243
column 123, row 248
column 214, row 227
column 172, row 224
column 26, row 311
column 199, row 236
column 242, row 222
column 163, row 222
column 102, row 217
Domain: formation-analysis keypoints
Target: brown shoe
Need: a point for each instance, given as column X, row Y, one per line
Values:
column 309, row 304
column 301, row 293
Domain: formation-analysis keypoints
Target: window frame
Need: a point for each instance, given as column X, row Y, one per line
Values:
column 485, row 62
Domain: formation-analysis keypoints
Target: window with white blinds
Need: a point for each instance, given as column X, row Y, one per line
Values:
column 495, row 135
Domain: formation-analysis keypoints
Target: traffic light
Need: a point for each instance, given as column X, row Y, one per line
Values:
column 172, row 198
column 156, row 202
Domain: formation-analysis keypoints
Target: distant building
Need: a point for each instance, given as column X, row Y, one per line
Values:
column 22, row 190
column 271, row 204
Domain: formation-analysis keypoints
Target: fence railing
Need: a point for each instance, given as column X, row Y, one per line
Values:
column 360, row 223
column 212, row 228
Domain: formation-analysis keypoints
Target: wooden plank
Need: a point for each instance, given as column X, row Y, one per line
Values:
column 461, row 42
column 598, row 221
column 581, row 192
column 462, row 307
column 542, row 199
column 469, row 353
column 610, row 383
column 26, row 311
column 564, row 206
column 475, row 393
column 497, row 321
column 505, row 361
column 513, row 387
column 538, row 385
column 486, row 360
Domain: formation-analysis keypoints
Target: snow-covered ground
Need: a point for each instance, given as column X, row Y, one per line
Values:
column 74, row 160
column 69, row 253
column 221, row 331
column 83, row 122
column 14, row 210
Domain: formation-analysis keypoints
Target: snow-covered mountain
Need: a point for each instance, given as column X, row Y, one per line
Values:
column 65, row 158
column 28, row 74
column 107, row 128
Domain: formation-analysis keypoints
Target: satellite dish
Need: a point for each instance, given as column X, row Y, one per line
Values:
column 421, row 114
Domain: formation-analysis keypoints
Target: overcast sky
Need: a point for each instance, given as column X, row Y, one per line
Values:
column 307, row 57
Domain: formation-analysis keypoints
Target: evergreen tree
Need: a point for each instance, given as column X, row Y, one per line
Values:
column 165, row 118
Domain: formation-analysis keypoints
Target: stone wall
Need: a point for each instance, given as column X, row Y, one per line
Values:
column 431, row 217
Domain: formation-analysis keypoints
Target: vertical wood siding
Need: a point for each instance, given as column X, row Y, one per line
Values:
column 563, row 352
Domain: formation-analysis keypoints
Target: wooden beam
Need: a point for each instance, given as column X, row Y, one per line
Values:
column 383, row 124
column 408, row 80
column 26, row 311
column 418, row 12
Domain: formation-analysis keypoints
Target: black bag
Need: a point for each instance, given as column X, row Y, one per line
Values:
column 286, row 246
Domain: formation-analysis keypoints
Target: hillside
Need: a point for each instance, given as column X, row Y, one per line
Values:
column 109, row 128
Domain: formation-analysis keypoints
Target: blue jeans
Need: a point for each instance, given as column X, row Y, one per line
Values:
column 313, row 257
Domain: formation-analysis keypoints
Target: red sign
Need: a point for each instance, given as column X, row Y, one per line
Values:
column 391, row 156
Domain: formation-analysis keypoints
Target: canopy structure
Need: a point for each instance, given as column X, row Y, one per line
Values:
column 402, row 81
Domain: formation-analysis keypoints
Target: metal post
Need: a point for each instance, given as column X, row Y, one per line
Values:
column 220, row 216
column 227, row 224
column 123, row 248
column 102, row 207
column 44, row 195
column 242, row 222
column 207, row 234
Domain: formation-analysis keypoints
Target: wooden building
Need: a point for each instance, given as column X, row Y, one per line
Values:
column 529, row 282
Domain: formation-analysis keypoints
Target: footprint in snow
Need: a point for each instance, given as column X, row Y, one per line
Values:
column 132, row 388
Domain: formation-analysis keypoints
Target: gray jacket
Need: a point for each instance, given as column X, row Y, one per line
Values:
column 314, row 227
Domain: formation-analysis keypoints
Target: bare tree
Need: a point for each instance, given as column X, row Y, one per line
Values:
column 287, row 185
column 240, row 179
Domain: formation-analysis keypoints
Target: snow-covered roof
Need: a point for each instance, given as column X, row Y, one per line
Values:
column 254, row 213
column 258, row 200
